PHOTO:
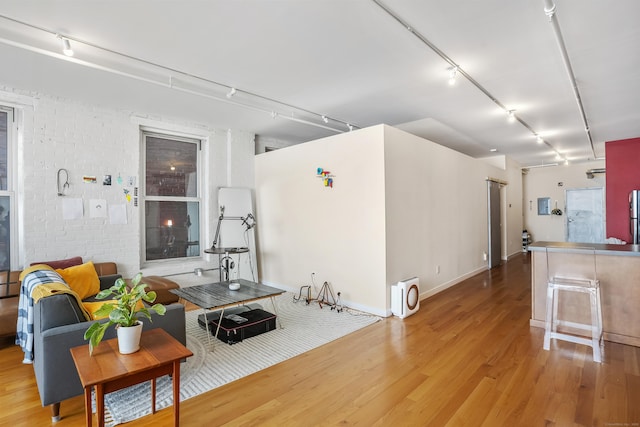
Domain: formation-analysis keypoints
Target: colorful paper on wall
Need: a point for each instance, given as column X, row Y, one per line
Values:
column 327, row 177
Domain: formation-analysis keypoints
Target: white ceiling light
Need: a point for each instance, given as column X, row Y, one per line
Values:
column 325, row 119
column 66, row 46
column 539, row 139
column 453, row 73
column 231, row 92
column 512, row 115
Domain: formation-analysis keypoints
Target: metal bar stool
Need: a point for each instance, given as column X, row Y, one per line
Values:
column 573, row 270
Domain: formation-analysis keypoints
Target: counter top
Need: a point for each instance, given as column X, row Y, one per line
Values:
column 618, row 271
column 601, row 248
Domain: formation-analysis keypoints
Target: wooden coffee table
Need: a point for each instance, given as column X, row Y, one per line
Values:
column 108, row 370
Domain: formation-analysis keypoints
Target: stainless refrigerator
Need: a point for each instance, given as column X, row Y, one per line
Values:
column 634, row 214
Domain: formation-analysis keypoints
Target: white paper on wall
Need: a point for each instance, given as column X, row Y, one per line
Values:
column 118, row 214
column 72, row 208
column 97, row 208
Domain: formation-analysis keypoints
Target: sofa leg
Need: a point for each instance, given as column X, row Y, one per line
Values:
column 55, row 412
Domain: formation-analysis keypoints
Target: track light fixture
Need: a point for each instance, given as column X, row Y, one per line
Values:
column 231, row 92
column 325, row 119
column 539, row 139
column 66, row 46
column 453, row 73
column 454, row 70
column 350, row 126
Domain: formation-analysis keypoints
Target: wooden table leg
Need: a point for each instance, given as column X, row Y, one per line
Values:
column 100, row 404
column 176, row 393
column 153, row 396
column 87, row 405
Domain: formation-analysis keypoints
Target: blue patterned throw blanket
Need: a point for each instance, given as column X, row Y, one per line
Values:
column 37, row 282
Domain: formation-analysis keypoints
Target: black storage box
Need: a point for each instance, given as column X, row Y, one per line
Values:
column 237, row 326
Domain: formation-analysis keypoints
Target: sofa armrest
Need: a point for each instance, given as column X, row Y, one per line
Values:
column 108, row 281
column 56, row 310
column 55, row 371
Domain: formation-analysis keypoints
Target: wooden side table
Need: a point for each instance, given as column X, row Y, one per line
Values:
column 108, row 370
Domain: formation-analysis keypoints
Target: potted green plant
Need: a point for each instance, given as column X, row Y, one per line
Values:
column 125, row 312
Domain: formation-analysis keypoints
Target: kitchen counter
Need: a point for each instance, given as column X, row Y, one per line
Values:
column 601, row 248
column 618, row 269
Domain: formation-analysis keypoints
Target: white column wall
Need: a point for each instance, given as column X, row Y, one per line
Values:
column 337, row 233
column 402, row 206
column 436, row 204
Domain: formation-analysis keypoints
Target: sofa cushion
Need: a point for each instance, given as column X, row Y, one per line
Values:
column 62, row 263
column 82, row 278
column 162, row 287
column 105, row 268
column 93, row 306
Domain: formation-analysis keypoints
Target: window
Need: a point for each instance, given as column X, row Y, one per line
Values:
column 7, row 136
column 171, row 197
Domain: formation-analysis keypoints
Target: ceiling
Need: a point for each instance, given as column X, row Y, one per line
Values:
column 357, row 62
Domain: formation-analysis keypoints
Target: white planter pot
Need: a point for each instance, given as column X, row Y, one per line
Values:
column 129, row 338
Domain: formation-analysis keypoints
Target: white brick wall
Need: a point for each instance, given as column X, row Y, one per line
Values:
column 89, row 140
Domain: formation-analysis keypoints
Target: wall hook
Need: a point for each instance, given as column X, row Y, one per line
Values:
column 65, row 184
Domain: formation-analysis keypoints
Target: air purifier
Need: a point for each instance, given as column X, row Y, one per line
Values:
column 405, row 297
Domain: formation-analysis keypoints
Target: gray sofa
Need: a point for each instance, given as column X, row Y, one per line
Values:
column 59, row 325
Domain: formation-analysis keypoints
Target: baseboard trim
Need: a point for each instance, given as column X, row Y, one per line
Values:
column 430, row 292
column 345, row 303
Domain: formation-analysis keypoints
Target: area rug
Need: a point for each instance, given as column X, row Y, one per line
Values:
column 305, row 327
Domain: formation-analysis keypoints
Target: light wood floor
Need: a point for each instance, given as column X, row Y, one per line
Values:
column 468, row 357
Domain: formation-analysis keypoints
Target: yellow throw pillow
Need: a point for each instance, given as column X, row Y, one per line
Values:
column 93, row 306
column 83, row 279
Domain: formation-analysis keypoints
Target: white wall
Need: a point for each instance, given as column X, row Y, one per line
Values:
column 339, row 232
column 544, row 182
column 401, row 206
column 436, row 204
column 89, row 140
column 514, row 208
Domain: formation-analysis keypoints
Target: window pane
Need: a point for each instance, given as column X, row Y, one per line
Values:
column 4, row 138
column 171, row 167
column 5, row 238
column 172, row 229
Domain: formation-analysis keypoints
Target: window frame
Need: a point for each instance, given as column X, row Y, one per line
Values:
column 12, row 142
column 144, row 198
